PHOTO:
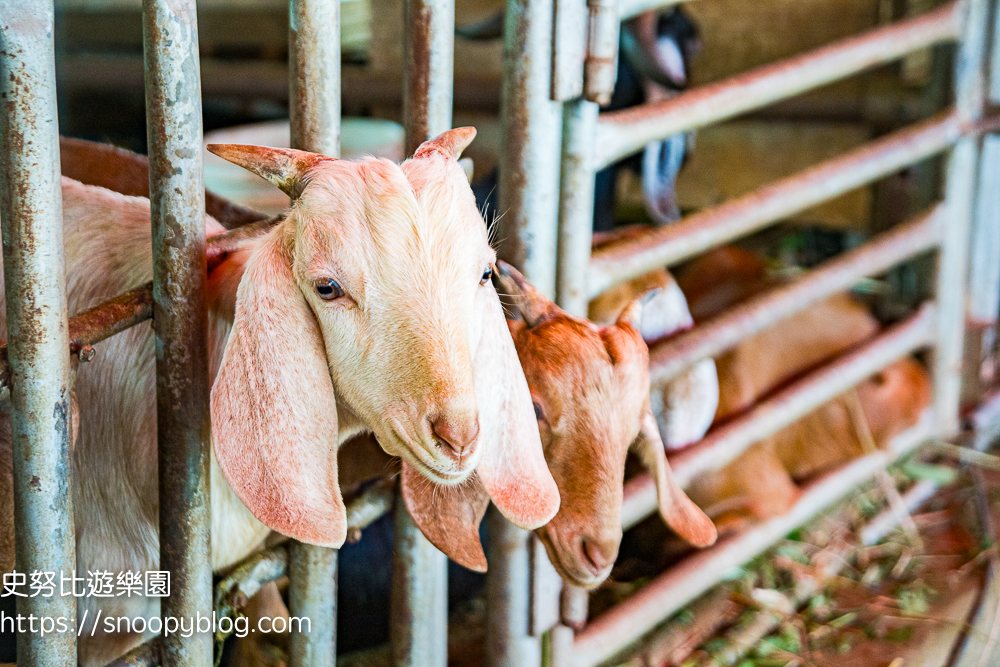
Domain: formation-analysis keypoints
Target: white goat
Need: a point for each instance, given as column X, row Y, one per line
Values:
column 369, row 307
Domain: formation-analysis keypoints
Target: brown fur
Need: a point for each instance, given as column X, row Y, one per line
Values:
column 761, row 482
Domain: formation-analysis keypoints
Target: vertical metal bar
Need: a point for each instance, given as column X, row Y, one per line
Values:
column 419, row 613
column 312, row 594
column 984, row 280
column 960, row 191
column 314, row 108
column 569, row 49
column 508, row 643
column 601, row 67
column 576, row 204
column 177, row 203
column 428, row 77
column 529, row 185
column 314, row 75
column 529, row 162
column 31, row 210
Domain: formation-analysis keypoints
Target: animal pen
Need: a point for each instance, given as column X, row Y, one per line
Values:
column 559, row 64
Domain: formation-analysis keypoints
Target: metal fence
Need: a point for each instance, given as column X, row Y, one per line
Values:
column 559, row 61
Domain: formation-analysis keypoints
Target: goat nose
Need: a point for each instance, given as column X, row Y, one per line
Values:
column 598, row 554
column 458, row 435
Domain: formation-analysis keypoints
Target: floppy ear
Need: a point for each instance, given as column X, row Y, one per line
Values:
column 284, row 167
column 274, row 415
column 664, row 312
column 685, row 406
column 448, row 516
column 512, row 468
column 678, row 511
column 449, row 144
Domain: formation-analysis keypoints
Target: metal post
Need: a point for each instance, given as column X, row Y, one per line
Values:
column 428, row 77
column 419, row 612
column 177, row 203
column 984, row 280
column 529, row 200
column 314, row 107
column 508, row 643
column 529, row 161
column 31, row 210
column 960, row 191
column 576, row 204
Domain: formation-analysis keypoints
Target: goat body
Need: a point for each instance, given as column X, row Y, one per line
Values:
column 761, row 482
column 392, row 356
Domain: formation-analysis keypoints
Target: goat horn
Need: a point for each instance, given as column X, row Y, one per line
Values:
column 532, row 305
column 284, row 167
column 449, row 144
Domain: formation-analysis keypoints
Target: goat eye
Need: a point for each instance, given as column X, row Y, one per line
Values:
column 487, row 274
column 539, row 415
column 328, row 289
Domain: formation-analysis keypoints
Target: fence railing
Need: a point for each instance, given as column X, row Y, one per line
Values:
column 546, row 195
column 945, row 228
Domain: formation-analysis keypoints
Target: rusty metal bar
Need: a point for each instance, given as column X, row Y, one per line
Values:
column 960, row 192
column 508, row 643
column 314, row 75
column 576, row 205
column 600, row 69
column 737, row 217
column 419, row 606
column 710, row 339
column 35, row 286
column 622, row 133
column 429, row 71
column 531, row 128
column 725, row 443
column 314, row 107
column 672, row 590
column 419, row 609
column 177, row 208
column 569, row 49
column 527, row 229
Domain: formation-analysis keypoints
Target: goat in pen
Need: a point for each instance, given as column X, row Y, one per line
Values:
column 324, row 333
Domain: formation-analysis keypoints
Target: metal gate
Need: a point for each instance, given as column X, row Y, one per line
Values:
column 558, row 63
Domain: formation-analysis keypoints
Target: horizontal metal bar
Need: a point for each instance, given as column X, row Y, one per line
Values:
column 629, row 8
column 672, row 590
column 135, row 306
column 621, row 133
column 247, row 577
column 884, row 523
column 111, row 317
column 725, row 443
column 254, row 79
column 906, row 240
column 737, row 217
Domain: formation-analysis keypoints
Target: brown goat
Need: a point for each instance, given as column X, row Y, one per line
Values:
column 762, row 481
column 590, row 387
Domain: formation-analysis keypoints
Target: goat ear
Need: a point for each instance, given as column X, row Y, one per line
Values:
column 686, row 405
column 664, row 312
column 274, row 414
column 512, row 468
column 285, row 168
column 679, row 512
column 448, row 516
column 449, row 144
column 531, row 303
